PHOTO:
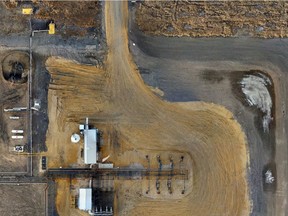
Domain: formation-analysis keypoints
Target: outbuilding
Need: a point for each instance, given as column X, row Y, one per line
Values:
column 90, row 146
column 85, row 199
column 90, row 143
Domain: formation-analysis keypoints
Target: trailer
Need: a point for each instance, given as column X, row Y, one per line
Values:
column 18, row 131
column 17, row 137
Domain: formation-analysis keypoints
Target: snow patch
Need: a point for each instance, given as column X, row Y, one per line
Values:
column 257, row 94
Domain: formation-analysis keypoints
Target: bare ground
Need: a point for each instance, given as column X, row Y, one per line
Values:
column 65, row 198
column 72, row 18
column 264, row 19
column 12, row 95
column 24, row 199
column 12, row 21
column 178, row 65
column 117, row 97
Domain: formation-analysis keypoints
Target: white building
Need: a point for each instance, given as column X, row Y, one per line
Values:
column 90, row 144
column 85, row 199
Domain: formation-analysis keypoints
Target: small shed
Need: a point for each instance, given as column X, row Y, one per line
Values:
column 85, row 199
column 105, row 165
column 27, row 11
column 51, row 28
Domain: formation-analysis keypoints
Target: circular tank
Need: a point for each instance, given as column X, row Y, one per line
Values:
column 75, row 138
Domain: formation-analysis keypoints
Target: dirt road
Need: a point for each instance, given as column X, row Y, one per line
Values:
column 182, row 62
column 184, row 130
column 117, row 96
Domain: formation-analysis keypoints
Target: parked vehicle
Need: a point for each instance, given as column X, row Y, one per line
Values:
column 19, row 148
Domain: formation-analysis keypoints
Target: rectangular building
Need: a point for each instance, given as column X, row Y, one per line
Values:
column 51, row 28
column 27, row 11
column 90, row 146
column 85, row 199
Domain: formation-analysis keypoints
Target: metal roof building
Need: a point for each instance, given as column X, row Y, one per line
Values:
column 90, row 144
column 27, row 11
column 85, row 199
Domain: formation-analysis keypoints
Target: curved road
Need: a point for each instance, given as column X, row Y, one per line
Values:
column 207, row 132
column 175, row 64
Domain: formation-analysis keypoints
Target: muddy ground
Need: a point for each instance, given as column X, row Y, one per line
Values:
column 264, row 19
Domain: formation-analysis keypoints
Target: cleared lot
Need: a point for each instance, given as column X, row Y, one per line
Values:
column 24, row 199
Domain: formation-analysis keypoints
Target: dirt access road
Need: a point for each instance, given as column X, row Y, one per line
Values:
column 117, row 96
column 183, row 62
column 184, row 130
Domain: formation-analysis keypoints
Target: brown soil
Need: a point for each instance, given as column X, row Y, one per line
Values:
column 65, row 87
column 116, row 97
column 12, row 95
column 265, row 19
column 82, row 14
column 72, row 18
column 11, row 19
column 62, row 198
column 65, row 198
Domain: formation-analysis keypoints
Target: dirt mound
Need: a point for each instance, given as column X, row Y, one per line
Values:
column 15, row 67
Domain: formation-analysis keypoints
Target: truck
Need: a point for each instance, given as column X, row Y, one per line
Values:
column 18, row 148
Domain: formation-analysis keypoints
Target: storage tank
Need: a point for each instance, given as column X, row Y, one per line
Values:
column 75, row 138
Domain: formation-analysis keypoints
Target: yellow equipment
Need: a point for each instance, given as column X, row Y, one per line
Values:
column 51, row 28
column 27, row 11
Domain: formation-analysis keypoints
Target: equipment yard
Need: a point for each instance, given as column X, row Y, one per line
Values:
column 104, row 112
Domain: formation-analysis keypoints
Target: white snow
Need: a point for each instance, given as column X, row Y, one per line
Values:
column 256, row 92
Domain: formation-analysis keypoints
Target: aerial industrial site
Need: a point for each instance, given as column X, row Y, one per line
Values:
column 143, row 108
